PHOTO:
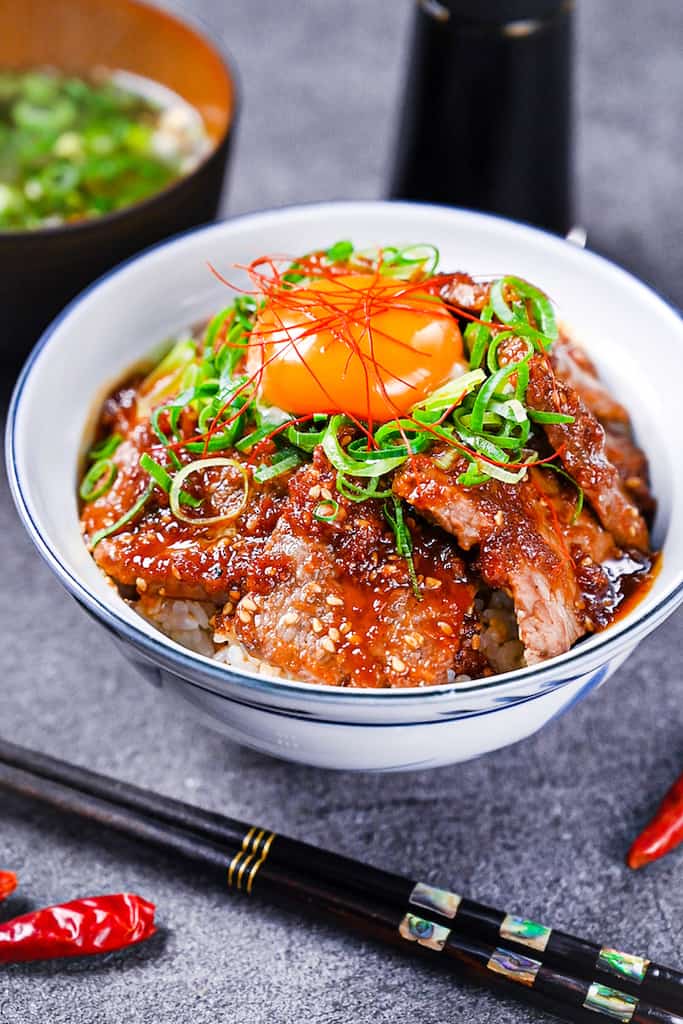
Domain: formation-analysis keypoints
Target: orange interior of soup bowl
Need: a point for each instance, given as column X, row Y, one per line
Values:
column 122, row 35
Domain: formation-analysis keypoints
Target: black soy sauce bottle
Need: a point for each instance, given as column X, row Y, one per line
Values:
column 487, row 109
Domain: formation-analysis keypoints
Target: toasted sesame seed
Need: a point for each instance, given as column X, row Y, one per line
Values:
column 397, row 665
column 228, row 608
column 162, row 591
column 315, row 588
column 249, row 603
column 326, row 493
column 314, row 491
column 316, row 625
column 476, row 642
column 328, row 645
column 235, row 595
column 431, row 583
column 336, row 602
column 413, row 640
column 243, row 615
column 588, row 623
column 345, row 627
column 445, row 627
column 587, row 561
column 269, row 570
column 353, row 638
column 141, row 584
column 289, row 618
column 499, row 517
column 334, row 634
column 389, row 570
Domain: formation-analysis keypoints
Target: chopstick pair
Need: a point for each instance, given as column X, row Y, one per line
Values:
column 569, row 975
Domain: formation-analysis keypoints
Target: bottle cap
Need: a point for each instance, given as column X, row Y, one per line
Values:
column 500, row 11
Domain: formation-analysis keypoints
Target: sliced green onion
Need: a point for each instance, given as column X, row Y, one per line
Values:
column 506, row 476
column 451, row 392
column 476, row 337
column 164, row 480
column 98, row 479
column 549, row 417
column 354, row 467
column 326, row 511
column 358, row 492
column 578, row 508
column 340, row 252
column 106, row 448
column 540, row 304
column 175, row 494
column 393, row 513
column 126, row 518
column 283, row 465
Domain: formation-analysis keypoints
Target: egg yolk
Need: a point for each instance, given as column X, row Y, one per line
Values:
column 367, row 347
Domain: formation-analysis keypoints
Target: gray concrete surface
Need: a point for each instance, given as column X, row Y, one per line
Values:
column 541, row 827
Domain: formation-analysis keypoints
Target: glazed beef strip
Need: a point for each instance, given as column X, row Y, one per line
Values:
column 573, row 366
column 519, row 548
column 335, row 602
column 583, row 451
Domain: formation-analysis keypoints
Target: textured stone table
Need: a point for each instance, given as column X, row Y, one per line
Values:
column 542, row 826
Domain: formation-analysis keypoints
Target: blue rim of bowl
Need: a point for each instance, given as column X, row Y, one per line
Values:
column 608, row 644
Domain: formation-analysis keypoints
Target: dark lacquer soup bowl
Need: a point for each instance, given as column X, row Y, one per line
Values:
column 44, row 267
column 626, row 327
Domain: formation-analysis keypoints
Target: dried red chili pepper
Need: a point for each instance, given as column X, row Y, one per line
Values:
column 663, row 833
column 8, row 883
column 96, row 925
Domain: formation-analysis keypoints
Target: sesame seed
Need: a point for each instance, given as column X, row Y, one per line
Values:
column 431, row 583
column 328, row 645
column 235, row 595
column 314, row 491
column 499, row 517
column 290, row 618
column 269, row 570
column 316, row 625
column 389, row 570
column 336, row 602
column 586, row 561
column 445, row 627
column 243, row 615
column 228, row 608
column 249, row 603
column 476, row 642
column 141, row 584
column 353, row 638
column 334, row 634
column 345, row 627
column 326, row 493
column 413, row 640
column 315, row 588
column 398, row 665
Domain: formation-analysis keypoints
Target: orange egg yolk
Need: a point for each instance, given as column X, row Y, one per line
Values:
column 367, row 347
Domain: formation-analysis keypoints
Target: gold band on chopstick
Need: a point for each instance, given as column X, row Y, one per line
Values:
column 253, row 851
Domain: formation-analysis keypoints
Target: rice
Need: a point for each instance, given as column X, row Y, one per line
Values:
column 189, row 623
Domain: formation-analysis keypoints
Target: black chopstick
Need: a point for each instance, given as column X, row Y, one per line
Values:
column 247, row 857
column 637, row 976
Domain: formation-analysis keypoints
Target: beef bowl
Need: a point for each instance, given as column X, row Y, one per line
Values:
column 390, row 571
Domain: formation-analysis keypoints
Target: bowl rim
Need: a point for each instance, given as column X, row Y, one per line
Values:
column 606, row 644
column 86, row 224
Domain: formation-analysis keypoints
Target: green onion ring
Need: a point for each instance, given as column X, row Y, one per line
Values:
column 98, row 479
column 196, row 467
column 103, row 449
column 326, row 517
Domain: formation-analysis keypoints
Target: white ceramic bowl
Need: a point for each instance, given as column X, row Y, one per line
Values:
column 633, row 335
